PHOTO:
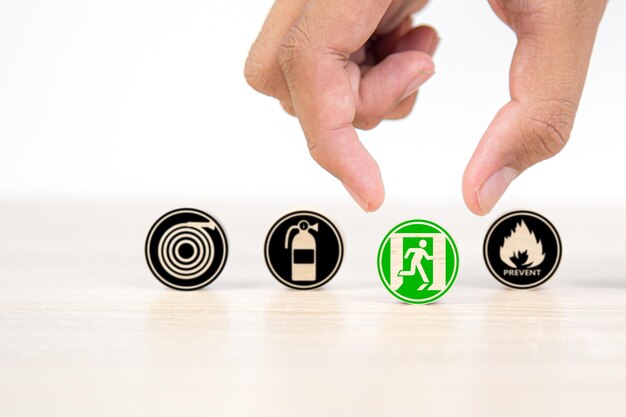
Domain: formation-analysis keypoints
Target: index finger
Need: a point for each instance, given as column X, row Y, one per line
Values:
column 323, row 82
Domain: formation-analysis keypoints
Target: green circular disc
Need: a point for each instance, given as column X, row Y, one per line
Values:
column 418, row 261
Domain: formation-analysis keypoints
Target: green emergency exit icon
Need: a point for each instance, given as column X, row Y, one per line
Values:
column 418, row 261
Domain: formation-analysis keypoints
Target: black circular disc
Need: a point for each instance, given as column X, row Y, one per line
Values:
column 303, row 250
column 186, row 249
column 522, row 249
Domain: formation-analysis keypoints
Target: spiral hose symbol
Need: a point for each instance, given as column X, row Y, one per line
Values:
column 189, row 263
column 186, row 249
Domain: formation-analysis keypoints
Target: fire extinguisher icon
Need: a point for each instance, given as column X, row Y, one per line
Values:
column 303, row 251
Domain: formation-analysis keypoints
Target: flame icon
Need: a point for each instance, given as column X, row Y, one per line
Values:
column 522, row 249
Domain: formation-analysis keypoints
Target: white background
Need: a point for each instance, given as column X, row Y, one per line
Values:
column 113, row 112
column 147, row 99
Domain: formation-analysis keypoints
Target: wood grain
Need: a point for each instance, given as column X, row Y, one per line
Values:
column 96, row 335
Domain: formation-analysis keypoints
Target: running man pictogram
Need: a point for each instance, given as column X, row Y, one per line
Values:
column 416, row 263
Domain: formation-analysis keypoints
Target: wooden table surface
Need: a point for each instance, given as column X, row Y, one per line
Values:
column 85, row 330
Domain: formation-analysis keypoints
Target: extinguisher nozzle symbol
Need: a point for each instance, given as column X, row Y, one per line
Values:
column 302, row 227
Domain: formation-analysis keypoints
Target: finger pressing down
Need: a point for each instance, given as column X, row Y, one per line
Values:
column 332, row 94
column 555, row 39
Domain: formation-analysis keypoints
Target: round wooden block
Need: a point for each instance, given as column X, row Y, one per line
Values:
column 186, row 249
column 303, row 250
column 522, row 249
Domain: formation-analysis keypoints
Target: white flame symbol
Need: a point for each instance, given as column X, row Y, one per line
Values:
column 522, row 249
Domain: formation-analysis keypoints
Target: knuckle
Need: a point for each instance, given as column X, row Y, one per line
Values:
column 288, row 107
column 400, row 114
column 369, row 113
column 545, row 132
column 403, row 110
column 257, row 68
column 292, row 47
column 367, row 122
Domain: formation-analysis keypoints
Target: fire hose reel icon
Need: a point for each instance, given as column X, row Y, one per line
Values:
column 186, row 249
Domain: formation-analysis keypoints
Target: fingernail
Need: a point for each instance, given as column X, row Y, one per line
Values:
column 492, row 189
column 421, row 78
column 433, row 45
column 358, row 198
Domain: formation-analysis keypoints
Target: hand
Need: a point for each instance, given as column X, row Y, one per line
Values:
column 555, row 39
column 314, row 56
column 319, row 60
